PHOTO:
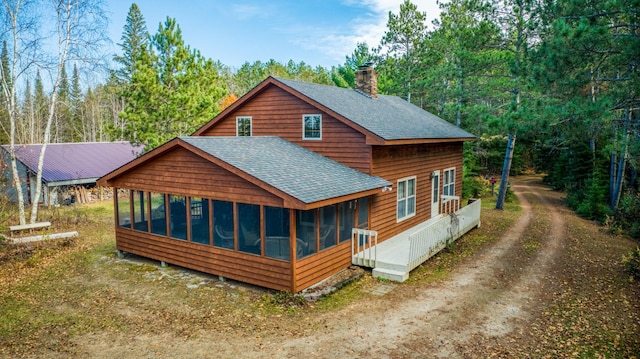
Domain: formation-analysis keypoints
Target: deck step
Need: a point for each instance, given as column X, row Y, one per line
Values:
column 390, row 274
column 390, row 266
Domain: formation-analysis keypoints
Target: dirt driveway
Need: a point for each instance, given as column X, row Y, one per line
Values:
column 491, row 295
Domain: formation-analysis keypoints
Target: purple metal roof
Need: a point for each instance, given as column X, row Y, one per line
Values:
column 76, row 161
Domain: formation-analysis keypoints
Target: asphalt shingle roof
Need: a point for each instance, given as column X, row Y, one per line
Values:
column 76, row 161
column 302, row 174
column 389, row 117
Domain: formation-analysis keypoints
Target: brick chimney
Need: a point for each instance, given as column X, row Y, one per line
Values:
column 367, row 80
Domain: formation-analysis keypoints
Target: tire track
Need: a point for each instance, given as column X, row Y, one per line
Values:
column 477, row 301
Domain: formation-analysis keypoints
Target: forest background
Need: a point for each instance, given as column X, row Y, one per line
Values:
column 545, row 85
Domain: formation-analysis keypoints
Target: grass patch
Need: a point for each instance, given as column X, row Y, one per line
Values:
column 493, row 225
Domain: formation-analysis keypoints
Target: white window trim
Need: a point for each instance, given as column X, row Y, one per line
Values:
column 406, row 199
column 250, row 124
column 303, row 132
column 452, row 184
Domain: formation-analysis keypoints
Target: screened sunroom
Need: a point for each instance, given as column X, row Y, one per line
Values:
column 260, row 210
column 242, row 227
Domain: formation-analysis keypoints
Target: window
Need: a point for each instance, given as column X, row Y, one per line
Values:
column 248, row 228
column 223, row 231
column 140, row 211
column 243, row 126
column 178, row 216
column 199, row 220
column 158, row 214
column 406, row 198
column 449, row 182
column 312, row 127
column 124, row 209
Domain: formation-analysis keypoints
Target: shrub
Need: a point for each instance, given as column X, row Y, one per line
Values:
column 474, row 187
column 627, row 215
column 632, row 263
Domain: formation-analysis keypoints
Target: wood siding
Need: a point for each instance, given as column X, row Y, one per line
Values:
column 319, row 266
column 262, row 271
column 396, row 162
column 181, row 172
column 275, row 112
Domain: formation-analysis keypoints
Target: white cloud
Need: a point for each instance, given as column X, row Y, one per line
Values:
column 368, row 27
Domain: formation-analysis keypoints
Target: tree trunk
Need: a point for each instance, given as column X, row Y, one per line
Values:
column 506, row 168
column 616, row 192
column 17, row 184
column 43, row 149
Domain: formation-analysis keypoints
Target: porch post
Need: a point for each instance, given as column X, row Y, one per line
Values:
column 292, row 248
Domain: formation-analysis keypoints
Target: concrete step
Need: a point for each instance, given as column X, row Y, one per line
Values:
column 390, row 274
column 398, row 267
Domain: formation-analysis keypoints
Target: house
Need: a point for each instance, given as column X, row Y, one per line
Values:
column 65, row 165
column 272, row 190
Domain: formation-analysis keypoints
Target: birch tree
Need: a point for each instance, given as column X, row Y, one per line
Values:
column 79, row 28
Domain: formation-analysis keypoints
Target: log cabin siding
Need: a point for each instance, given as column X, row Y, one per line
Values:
column 182, row 172
column 396, row 162
column 262, row 271
column 275, row 112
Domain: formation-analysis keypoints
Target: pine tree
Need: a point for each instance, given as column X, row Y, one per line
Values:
column 134, row 38
column 40, row 109
column 79, row 131
column 345, row 75
column 28, row 112
column 404, row 36
column 173, row 91
column 62, row 121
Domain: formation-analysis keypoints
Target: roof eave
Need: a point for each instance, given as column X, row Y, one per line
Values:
column 339, row 199
column 416, row 141
column 72, row 182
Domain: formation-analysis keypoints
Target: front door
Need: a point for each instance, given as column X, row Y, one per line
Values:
column 435, row 193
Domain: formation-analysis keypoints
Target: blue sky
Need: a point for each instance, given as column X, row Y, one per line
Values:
column 318, row 32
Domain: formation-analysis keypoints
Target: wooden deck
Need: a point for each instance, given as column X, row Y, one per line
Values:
column 394, row 258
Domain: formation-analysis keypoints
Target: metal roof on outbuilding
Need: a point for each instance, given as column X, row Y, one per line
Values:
column 75, row 163
column 292, row 169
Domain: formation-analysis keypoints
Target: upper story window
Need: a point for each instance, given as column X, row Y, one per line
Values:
column 406, row 198
column 449, row 182
column 243, row 126
column 311, row 127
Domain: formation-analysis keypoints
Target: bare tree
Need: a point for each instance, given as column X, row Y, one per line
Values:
column 79, row 29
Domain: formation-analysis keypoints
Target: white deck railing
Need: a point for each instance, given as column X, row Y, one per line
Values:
column 364, row 246
column 449, row 204
column 430, row 240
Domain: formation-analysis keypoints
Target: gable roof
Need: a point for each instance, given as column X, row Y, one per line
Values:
column 386, row 118
column 277, row 165
column 75, row 163
column 302, row 174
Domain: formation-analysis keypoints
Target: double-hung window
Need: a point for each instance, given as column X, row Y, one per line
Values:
column 243, row 126
column 449, row 182
column 311, row 127
column 406, row 198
